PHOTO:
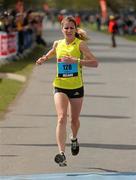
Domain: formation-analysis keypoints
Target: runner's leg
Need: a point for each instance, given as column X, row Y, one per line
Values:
column 61, row 103
column 75, row 109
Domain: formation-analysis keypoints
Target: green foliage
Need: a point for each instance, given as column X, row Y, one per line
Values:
column 116, row 5
column 74, row 4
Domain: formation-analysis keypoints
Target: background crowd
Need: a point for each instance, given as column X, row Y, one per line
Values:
column 28, row 23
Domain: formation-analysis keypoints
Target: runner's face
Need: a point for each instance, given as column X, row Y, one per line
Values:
column 69, row 30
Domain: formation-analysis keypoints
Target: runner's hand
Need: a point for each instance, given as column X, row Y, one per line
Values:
column 40, row 61
column 69, row 59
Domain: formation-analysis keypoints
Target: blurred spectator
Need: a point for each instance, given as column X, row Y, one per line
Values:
column 134, row 27
column 78, row 20
column 19, row 6
column 60, row 17
column 7, row 22
column 98, row 22
column 20, row 28
column 121, row 25
column 37, row 24
column 129, row 23
column 112, row 28
column 1, row 24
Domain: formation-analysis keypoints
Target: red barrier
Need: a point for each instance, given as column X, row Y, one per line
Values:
column 8, row 44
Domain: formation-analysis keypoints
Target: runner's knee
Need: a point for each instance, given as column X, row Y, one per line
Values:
column 62, row 119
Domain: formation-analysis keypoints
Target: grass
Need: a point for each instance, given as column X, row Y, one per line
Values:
column 130, row 37
column 9, row 89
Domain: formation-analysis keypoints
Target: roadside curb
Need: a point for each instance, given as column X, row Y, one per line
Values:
column 16, row 77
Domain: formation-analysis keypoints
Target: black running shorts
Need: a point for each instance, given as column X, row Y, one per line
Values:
column 71, row 93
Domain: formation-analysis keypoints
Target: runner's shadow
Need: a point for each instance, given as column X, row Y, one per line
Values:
column 82, row 115
column 86, row 145
column 109, row 146
column 104, row 116
column 106, row 96
column 8, row 155
column 103, row 169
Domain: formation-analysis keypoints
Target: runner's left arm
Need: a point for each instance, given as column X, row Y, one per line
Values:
column 89, row 59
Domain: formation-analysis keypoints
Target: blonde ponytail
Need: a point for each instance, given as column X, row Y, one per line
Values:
column 81, row 34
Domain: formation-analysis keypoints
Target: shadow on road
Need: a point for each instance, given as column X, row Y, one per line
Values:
column 86, row 145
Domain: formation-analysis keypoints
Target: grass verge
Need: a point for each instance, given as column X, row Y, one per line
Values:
column 10, row 88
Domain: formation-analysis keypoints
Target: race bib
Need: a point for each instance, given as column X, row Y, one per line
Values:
column 67, row 70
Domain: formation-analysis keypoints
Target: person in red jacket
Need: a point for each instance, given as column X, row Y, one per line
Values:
column 78, row 20
column 112, row 29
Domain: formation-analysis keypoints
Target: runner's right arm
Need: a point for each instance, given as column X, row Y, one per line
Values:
column 48, row 55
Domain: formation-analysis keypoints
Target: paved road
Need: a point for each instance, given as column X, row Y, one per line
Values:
column 108, row 119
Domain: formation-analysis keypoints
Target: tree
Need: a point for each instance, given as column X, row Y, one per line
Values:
column 77, row 5
column 114, row 5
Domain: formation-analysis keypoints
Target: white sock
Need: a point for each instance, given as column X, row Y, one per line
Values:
column 61, row 152
column 73, row 138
